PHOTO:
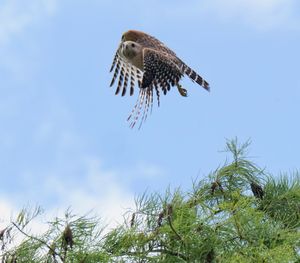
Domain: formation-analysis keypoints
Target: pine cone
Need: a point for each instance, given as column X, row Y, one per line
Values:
column 68, row 236
column 257, row 190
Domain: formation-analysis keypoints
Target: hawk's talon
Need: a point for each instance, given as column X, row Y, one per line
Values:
column 182, row 91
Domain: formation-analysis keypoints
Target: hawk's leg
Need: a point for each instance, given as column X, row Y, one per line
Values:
column 181, row 90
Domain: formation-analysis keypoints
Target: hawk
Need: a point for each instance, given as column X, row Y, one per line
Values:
column 145, row 61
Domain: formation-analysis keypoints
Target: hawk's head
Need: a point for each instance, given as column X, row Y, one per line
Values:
column 129, row 49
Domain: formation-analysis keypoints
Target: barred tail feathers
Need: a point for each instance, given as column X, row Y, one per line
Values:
column 195, row 77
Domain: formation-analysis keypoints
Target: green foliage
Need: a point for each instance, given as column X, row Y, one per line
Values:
column 239, row 213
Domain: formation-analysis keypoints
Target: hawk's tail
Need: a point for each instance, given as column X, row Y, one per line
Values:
column 195, row 77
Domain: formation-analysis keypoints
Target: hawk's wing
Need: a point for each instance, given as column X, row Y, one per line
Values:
column 126, row 72
column 160, row 69
column 153, row 43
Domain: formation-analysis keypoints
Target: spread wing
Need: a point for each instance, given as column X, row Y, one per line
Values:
column 126, row 73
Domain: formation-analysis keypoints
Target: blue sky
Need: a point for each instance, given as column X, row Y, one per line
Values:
column 64, row 139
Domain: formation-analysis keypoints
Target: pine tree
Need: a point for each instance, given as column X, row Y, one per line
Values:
column 239, row 213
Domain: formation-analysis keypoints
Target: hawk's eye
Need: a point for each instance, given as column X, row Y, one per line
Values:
column 132, row 45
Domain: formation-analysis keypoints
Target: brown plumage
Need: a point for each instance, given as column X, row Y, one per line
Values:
column 143, row 60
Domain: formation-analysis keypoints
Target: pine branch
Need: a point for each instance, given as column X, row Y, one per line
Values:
column 40, row 241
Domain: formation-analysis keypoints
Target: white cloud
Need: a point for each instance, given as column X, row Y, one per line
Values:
column 17, row 15
column 6, row 209
column 74, row 178
column 98, row 190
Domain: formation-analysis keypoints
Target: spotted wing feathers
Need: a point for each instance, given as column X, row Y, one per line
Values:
column 159, row 67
